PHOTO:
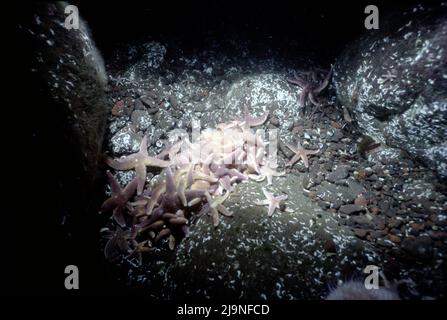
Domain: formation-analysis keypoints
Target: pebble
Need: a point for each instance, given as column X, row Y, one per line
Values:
column 351, row 208
column 141, row 119
column 340, row 172
column 361, row 233
column 394, row 238
column 125, row 141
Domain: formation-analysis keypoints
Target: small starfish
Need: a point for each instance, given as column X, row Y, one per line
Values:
column 389, row 76
column 118, row 201
column 138, row 161
column 268, row 172
column 139, row 249
column 118, row 241
column 214, row 207
column 272, row 201
column 300, row 153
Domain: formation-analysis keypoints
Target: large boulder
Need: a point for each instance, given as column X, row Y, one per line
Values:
column 62, row 104
column 394, row 81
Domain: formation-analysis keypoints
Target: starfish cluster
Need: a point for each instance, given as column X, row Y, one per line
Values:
column 310, row 87
column 197, row 178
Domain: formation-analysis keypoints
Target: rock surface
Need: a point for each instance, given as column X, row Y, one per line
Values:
column 402, row 103
column 344, row 212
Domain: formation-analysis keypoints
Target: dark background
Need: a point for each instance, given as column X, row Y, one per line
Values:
column 38, row 246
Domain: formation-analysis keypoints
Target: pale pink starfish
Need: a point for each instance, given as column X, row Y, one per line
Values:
column 138, row 161
column 118, row 201
column 300, row 153
column 309, row 89
column 269, row 172
column 272, row 201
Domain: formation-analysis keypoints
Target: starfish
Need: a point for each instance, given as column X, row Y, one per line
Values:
column 310, row 90
column 139, row 249
column 214, row 207
column 268, row 172
column 118, row 240
column 300, row 153
column 272, row 201
column 118, row 201
column 138, row 161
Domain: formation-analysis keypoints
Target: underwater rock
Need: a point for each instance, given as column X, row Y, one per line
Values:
column 141, row 119
column 266, row 92
column 125, row 141
column 402, row 103
column 251, row 255
column 68, row 69
column 340, row 172
column 331, row 193
column 152, row 60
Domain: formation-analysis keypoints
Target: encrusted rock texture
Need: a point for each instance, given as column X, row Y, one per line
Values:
column 394, row 81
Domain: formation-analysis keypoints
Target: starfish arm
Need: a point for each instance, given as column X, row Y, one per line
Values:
column 129, row 190
column 262, row 202
column 197, row 193
column 312, row 151
column 272, row 207
column 122, row 164
column 202, row 176
column 256, row 177
column 226, row 183
column 297, row 82
column 181, row 194
column 292, row 148
column 215, row 216
column 292, row 161
column 279, row 174
column 267, row 194
column 109, row 248
column 154, row 162
column 143, row 146
column 254, row 122
column 163, row 234
column 140, row 171
column 205, row 209
column 325, row 82
column 194, row 202
column 269, row 179
column 170, row 185
column 114, row 185
column 313, row 99
column 303, row 96
column 224, row 210
column 155, row 196
column 118, row 215
column 109, row 205
column 190, row 177
column 305, row 160
column 238, row 174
